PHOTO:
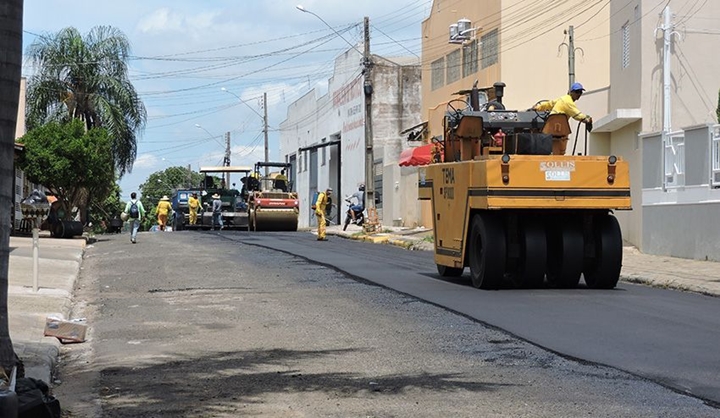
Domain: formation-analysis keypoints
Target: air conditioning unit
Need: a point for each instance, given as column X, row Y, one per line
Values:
column 461, row 31
column 463, row 26
column 454, row 34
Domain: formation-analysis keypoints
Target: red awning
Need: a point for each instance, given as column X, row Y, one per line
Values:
column 421, row 155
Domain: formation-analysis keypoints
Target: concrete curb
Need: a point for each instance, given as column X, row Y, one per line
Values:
column 666, row 284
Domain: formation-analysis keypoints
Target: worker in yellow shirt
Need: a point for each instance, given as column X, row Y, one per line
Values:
column 320, row 207
column 194, row 205
column 564, row 105
column 280, row 181
column 163, row 210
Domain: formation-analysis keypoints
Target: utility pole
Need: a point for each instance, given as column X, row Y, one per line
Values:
column 189, row 184
column 570, row 44
column 265, row 131
column 368, row 90
column 226, row 160
column 571, row 55
column 668, row 31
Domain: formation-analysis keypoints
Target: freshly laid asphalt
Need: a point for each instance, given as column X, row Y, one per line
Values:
column 60, row 261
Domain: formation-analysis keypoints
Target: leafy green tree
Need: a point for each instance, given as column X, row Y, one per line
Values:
column 86, row 78
column 11, row 22
column 162, row 183
column 70, row 161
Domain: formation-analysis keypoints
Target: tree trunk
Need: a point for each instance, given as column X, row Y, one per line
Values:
column 11, row 24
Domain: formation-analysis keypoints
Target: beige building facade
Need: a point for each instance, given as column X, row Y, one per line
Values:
column 618, row 57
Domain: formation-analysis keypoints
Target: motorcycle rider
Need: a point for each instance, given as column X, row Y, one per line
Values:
column 360, row 197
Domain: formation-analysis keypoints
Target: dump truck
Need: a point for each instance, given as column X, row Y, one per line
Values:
column 511, row 212
column 272, row 206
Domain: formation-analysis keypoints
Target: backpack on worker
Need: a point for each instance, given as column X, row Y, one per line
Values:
column 313, row 202
column 134, row 211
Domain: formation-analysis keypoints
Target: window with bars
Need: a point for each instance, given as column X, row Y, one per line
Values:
column 626, row 45
column 437, row 69
column 453, row 66
column 470, row 59
column 490, row 49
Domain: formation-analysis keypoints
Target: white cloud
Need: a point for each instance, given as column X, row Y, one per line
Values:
column 166, row 20
column 277, row 93
column 145, row 161
column 160, row 20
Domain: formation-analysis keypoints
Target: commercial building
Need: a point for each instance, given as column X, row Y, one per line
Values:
column 323, row 137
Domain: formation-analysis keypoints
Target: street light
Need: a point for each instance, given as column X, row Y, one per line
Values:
column 197, row 125
column 304, row 10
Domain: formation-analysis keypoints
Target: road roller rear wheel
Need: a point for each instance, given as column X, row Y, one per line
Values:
column 446, row 271
column 565, row 253
column 530, row 269
column 487, row 251
column 603, row 271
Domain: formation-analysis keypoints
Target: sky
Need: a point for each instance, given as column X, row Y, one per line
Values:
column 185, row 52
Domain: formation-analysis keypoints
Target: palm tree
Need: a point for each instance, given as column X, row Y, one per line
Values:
column 11, row 19
column 87, row 78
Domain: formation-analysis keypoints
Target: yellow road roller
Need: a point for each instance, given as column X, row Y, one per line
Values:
column 271, row 204
column 516, row 215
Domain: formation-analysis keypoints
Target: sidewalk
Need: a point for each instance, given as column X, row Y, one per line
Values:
column 61, row 259
column 58, row 268
column 657, row 271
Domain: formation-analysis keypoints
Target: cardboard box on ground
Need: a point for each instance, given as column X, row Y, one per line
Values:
column 72, row 331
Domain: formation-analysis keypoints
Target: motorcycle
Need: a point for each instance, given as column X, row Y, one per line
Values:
column 359, row 216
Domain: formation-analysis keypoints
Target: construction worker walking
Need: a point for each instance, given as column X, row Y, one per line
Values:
column 163, row 210
column 194, row 205
column 320, row 206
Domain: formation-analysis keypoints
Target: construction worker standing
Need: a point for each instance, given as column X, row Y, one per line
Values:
column 320, row 206
column 194, row 205
column 565, row 105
